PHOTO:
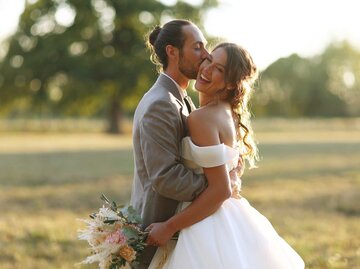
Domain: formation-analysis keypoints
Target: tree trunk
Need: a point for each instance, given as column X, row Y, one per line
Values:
column 114, row 119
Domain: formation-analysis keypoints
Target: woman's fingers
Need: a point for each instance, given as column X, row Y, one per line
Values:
column 150, row 240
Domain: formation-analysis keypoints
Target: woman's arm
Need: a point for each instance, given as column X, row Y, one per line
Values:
column 203, row 133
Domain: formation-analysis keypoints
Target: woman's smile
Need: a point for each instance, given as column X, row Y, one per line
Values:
column 211, row 77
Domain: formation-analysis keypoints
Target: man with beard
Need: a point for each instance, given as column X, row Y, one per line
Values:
column 161, row 181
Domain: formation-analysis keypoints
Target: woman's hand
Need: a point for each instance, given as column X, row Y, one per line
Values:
column 159, row 234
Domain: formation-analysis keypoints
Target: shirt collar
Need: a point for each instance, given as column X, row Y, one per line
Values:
column 182, row 92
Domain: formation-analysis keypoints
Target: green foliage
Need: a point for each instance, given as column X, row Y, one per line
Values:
column 325, row 85
column 93, row 63
column 131, row 214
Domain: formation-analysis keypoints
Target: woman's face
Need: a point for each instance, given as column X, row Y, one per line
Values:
column 211, row 76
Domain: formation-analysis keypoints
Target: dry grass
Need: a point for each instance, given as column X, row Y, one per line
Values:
column 307, row 184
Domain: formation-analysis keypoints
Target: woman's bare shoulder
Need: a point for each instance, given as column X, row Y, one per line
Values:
column 203, row 126
column 204, row 116
column 210, row 112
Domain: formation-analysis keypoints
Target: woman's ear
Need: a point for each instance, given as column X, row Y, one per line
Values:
column 230, row 86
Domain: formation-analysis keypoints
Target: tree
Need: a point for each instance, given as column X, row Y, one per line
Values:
column 325, row 85
column 74, row 57
column 341, row 63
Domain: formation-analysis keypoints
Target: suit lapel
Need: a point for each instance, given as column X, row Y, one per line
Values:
column 168, row 84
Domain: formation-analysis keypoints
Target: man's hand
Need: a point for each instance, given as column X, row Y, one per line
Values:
column 159, row 234
column 236, row 173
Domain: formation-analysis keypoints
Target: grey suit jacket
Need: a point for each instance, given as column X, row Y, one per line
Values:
column 161, row 181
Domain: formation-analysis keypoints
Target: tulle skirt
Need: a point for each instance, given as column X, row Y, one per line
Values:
column 235, row 236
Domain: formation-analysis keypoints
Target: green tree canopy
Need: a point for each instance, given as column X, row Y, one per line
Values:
column 78, row 57
column 325, row 85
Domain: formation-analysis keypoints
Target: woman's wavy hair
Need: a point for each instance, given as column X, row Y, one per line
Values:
column 241, row 73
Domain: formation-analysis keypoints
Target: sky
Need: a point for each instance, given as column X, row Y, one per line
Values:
column 267, row 29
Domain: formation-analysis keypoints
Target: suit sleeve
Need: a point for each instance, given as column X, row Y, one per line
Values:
column 161, row 133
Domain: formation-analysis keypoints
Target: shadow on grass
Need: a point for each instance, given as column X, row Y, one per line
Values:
column 347, row 202
column 77, row 197
column 72, row 181
column 58, row 168
column 306, row 161
column 294, row 149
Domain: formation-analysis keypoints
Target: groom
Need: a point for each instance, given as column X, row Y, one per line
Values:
column 161, row 181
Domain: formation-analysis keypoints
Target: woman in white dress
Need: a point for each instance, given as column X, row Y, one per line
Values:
column 220, row 229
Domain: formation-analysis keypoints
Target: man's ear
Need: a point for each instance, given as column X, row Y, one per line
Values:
column 171, row 51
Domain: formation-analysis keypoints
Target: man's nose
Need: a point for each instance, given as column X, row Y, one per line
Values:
column 205, row 54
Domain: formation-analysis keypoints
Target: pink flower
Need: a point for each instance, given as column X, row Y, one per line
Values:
column 116, row 237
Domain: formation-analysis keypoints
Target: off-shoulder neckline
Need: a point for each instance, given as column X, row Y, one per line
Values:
column 211, row 146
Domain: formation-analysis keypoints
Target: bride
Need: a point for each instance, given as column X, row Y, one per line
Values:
column 220, row 229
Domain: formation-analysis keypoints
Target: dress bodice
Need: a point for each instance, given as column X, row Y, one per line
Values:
column 196, row 157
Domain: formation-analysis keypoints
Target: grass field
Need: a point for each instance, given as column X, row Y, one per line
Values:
column 307, row 184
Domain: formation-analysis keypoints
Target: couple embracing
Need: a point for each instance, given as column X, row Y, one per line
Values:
column 188, row 160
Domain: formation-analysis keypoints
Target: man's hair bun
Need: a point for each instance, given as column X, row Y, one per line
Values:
column 154, row 35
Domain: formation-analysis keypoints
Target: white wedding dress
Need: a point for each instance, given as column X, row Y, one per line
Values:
column 236, row 236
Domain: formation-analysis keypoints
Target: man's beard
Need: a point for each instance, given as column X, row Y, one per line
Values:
column 187, row 69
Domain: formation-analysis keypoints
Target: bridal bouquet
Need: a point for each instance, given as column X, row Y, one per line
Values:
column 114, row 236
